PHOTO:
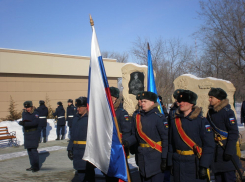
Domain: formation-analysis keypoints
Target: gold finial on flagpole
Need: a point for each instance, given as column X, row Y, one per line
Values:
column 91, row 21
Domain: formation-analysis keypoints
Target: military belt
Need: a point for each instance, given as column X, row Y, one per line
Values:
column 70, row 116
column 61, row 117
column 185, row 152
column 42, row 116
column 32, row 129
column 147, row 145
column 79, row 142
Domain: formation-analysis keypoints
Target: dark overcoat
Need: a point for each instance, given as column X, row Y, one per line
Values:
column 224, row 118
column 154, row 125
column 79, row 133
column 60, row 113
column 243, row 112
column 70, row 111
column 198, row 129
column 30, row 129
column 43, row 112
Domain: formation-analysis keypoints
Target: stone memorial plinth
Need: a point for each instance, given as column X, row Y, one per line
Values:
column 134, row 80
column 201, row 86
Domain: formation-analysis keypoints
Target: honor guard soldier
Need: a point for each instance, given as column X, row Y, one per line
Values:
column 60, row 113
column 224, row 125
column 175, row 105
column 76, row 147
column 31, row 134
column 163, row 107
column 42, row 121
column 70, row 112
column 138, row 107
column 150, row 131
column 191, row 143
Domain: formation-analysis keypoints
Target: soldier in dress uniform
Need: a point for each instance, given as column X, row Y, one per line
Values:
column 191, row 143
column 150, row 131
column 224, row 124
column 138, row 107
column 175, row 105
column 70, row 112
column 42, row 122
column 31, row 134
column 76, row 147
column 60, row 113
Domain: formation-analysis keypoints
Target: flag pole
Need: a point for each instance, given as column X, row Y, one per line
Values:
column 115, row 119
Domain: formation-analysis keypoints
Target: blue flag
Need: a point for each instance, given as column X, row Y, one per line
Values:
column 151, row 86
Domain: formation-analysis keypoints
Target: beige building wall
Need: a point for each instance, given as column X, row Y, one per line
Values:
column 34, row 76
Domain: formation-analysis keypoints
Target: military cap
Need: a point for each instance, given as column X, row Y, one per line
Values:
column 41, row 102
column 138, row 96
column 81, row 102
column 176, row 93
column 187, row 96
column 114, row 92
column 219, row 93
column 27, row 104
column 70, row 100
column 149, row 96
column 59, row 103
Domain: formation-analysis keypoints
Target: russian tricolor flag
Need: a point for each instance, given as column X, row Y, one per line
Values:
column 103, row 147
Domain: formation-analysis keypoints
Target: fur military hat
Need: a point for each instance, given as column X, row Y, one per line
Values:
column 70, row 100
column 138, row 96
column 149, row 96
column 114, row 92
column 187, row 96
column 219, row 93
column 59, row 103
column 176, row 93
column 81, row 102
column 41, row 102
column 27, row 104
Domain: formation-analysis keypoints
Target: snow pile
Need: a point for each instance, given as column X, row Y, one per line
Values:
column 211, row 78
column 14, row 126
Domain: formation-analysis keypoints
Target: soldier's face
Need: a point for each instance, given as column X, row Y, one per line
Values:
column 146, row 104
column 185, row 106
column 28, row 109
column 213, row 100
column 81, row 110
column 113, row 99
column 69, row 103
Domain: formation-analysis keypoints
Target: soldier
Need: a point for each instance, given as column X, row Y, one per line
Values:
column 163, row 107
column 224, row 124
column 42, row 122
column 138, row 107
column 70, row 112
column 60, row 113
column 31, row 134
column 150, row 131
column 175, row 105
column 76, row 147
column 191, row 143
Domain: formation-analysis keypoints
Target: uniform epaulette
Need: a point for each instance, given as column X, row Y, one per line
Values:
column 159, row 114
column 227, row 109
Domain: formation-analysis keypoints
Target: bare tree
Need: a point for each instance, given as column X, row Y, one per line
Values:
column 121, row 58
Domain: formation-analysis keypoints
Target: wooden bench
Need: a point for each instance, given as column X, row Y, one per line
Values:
column 5, row 135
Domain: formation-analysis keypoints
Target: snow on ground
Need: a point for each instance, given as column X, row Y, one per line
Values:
column 14, row 126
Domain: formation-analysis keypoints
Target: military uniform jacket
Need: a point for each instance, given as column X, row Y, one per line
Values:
column 60, row 113
column 31, row 133
column 243, row 112
column 123, row 120
column 224, row 118
column 198, row 129
column 149, row 160
column 43, row 112
column 70, row 111
column 79, row 133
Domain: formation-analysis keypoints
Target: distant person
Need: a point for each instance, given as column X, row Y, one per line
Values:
column 243, row 113
column 42, row 121
column 60, row 113
column 163, row 107
column 175, row 105
column 31, row 134
column 70, row 112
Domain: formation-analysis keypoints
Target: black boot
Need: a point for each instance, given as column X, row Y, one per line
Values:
column 62, row 137
column 44, row 139
column 58, row 137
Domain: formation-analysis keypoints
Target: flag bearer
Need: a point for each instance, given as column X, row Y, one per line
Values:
column 77, row 143
column 60, row 113
column 70, row 112
column 150, row 131
column 42, row 123
column 191, row 146
column 31, row 134
column 224, row 124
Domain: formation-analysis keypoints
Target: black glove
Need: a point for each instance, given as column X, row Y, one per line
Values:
column 70, row 155
column 203, row 174
column 125, row 144
column 227, row 157
column 164, row 165
column 21, row 123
